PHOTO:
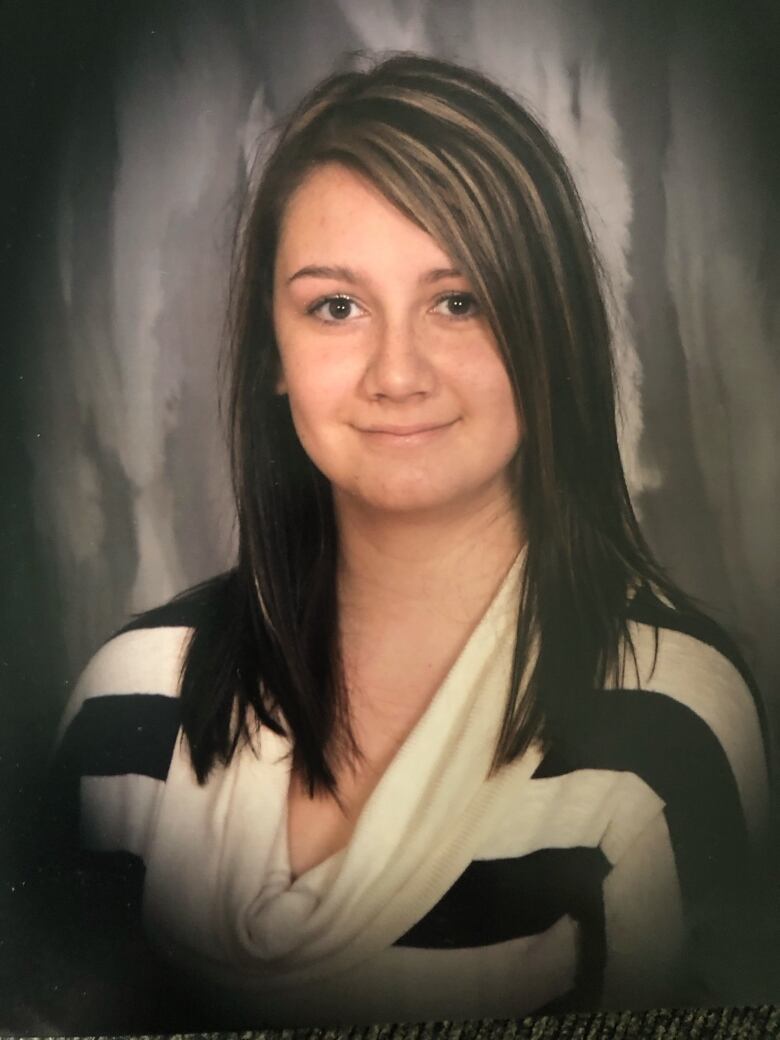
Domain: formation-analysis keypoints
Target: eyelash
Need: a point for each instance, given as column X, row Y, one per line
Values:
column 334, row 297
column 323, row 300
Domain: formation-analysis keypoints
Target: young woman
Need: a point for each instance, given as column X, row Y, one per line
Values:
column 447, row 742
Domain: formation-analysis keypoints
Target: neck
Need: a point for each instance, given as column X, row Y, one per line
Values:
column 397, row 564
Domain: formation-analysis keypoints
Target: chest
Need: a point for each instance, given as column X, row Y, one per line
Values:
column 391, row 690
column 318, row 827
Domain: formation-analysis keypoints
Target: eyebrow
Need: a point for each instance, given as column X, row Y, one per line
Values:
column 346, row 274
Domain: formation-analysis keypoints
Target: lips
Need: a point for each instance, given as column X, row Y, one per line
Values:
column 412, row 430
column 406, row 436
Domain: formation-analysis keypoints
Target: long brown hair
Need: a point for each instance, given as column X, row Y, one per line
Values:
column 468, row 164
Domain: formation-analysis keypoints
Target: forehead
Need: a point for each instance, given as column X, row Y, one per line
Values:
column 337, row 210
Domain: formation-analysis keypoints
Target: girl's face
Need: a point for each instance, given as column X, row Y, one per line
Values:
column 396, row 386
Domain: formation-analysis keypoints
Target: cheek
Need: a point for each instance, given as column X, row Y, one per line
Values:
column 315, row 394
column 305, row 404
column 512, row 415
column 322, row 367
column 494, row 396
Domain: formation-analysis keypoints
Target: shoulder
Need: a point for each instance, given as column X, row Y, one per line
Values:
column 119, row 732
column 692, row 661
column 123, row 715
column 689, row 649
column 188, row 609
column 684, row 716
column 688, row 698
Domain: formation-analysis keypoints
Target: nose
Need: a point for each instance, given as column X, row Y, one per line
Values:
column 398, row 366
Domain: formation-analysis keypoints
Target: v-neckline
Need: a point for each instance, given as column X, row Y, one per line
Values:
column 314, row 875
column 310, row 878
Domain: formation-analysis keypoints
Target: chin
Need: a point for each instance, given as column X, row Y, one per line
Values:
column 402, row 500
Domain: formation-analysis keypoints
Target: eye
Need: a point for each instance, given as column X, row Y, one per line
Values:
column 457, row 305
column 333, row 309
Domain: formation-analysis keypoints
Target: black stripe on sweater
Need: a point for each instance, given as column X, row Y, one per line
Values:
column 675, row 752
column 647, row 609
column 117, row 734
column 189, row 608
column 501, row 899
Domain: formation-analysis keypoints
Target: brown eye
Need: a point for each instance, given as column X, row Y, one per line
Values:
column 458, row 305
column 339, row 308
column 333, row 309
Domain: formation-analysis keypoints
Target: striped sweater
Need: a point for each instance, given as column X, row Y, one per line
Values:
column 615, row 875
